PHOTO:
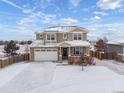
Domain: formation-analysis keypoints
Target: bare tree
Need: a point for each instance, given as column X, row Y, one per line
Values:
column 101, row 45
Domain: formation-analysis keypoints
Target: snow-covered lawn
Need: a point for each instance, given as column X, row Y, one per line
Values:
column 49, row 77
column 11, row 72
column 112, row 64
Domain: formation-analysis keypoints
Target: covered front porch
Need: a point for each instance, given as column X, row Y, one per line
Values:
column 71, row 52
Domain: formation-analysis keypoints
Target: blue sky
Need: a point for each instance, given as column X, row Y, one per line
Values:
column 19, row 19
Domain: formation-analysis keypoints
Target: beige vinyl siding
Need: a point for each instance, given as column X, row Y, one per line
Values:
column 115, row 48
column 70, row 36
column 84, row 36
column 85, row 50
column 60, row 37
column 37, row 37
column 31, row 54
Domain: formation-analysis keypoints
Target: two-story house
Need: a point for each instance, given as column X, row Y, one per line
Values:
column 59, row 43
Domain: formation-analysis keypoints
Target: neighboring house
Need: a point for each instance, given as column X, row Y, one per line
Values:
column 116, row 46
column 58, row 43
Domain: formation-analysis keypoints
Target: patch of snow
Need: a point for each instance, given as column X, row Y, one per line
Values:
column 62, row 29
column 116, row 41
column 8, row 73
column 72, row 43
column 46, row 77
column 71, row 79
column 3, row 58
column 39, row 43
column 76, row 43
column 1, row 51
column 2, row 54
column 112, row 64
column 23, row 49
column 33, row 76
column 1, row 48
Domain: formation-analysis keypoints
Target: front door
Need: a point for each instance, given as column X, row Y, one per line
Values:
column 65, row 53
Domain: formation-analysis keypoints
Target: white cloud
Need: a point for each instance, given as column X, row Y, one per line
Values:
column 28, row 10
column 85, row 9
column 98, row 16
column 42, row 18
column 12, row 4
column 31, row 22
column 34, row 21
column 24, row 10
column 112, row 31
column 68, row 21
column 100, row 13
column 74, row 3
column 121, row 10
column 95, row 18
column 13, row 32
column 109, row 4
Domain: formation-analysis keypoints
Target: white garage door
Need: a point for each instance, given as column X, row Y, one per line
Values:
column 45, row 55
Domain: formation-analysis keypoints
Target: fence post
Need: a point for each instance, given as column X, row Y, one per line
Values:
column 94, row 53
column 98, row 54
column 0, row 63
column 3, row 63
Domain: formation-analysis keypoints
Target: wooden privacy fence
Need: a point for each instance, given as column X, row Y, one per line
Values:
column 102, row 55
column 120, row 57
column 13, row 59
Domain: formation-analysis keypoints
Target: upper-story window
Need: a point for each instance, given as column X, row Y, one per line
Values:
column 64, row 35
column 40, row 36
column 51, row 37
column 77, row 36
column 48, row 36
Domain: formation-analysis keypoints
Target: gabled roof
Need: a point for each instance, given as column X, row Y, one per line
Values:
column 63, row 29
column 117, row 42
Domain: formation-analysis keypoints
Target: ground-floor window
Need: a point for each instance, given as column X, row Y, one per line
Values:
column 77, row 51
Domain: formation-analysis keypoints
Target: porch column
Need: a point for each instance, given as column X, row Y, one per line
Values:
column 60, row 54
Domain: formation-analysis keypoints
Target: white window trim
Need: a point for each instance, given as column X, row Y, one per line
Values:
column 50, row 36
column 74, row 50
column 77, row 35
